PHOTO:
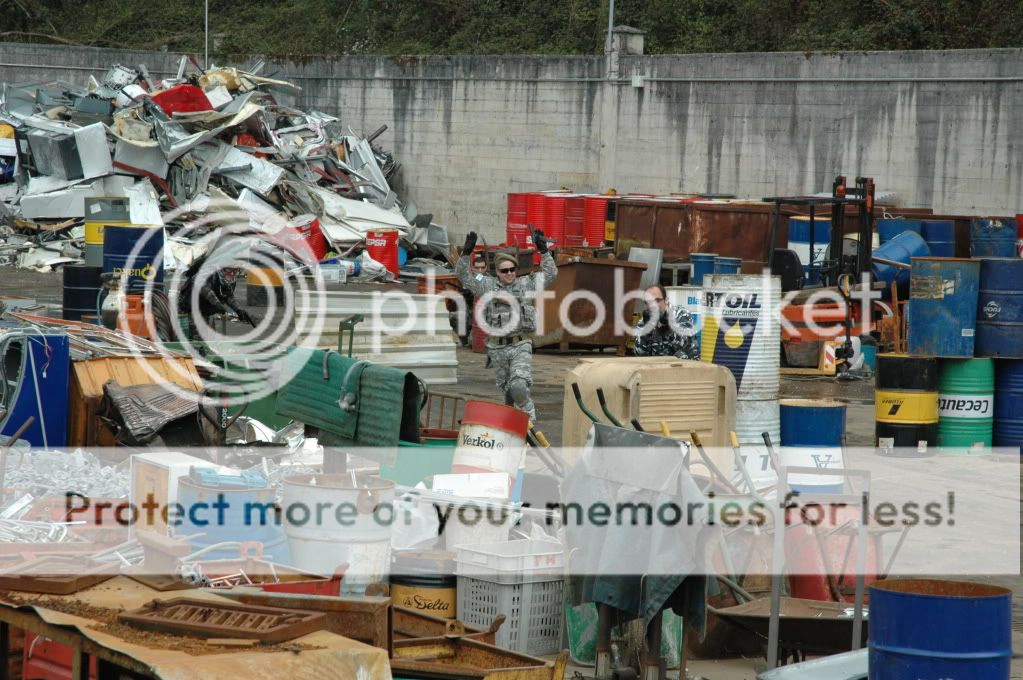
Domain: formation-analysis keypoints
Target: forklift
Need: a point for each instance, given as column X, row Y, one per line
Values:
column 839, row 271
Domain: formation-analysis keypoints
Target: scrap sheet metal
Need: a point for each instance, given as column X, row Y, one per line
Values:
column 636, row 571
column 324, row 655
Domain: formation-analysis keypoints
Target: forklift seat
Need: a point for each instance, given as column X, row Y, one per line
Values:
column 785, row 263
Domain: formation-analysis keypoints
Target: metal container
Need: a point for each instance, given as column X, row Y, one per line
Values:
column 517, row 231
column 574, row 220
column 492, row 438
column 134, row 253
column 556, row 210
column 81, row 290
column 1000, row 309
column 1008, row 424
column 942, row 315
column 594, row 218
column 902, row 248
column 922, row 628
column 799, row 241
column 940, row 236
column 727, row 265
column 598, row 276
column 753, row 417
column 889, row 228
column 966, row 411
column 536, row 210
column 993, row 238
column 689, row 298
column 703, row 264
column 741, row 330
column 99, row 212
column 812, row 432
column 355, row 528
column 906, row 404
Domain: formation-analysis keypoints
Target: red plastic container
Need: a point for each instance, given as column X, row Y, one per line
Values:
column 382, row 246
column 556, row 209
column 304, row 237
column 594, row 217
column 574, row 220
column 48, row 660
column 807, row 567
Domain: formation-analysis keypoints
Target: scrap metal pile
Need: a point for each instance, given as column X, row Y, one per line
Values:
column 211, row 147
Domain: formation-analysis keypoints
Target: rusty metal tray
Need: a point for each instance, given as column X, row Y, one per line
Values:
column 410, row 624
column 204, row 618
column 56, row 575
column 447, row 658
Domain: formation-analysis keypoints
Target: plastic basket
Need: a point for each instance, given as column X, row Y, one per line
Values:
column 512, row 561
column 524, row 580
column 534, row 612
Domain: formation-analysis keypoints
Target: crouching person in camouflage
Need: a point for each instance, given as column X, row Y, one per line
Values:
column 510, row 316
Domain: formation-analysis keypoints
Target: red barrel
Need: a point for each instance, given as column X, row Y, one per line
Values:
column 574, row 219
column 536, row 210
column 517, row 231
column 594, row 217
column 555, row 205
column 382, row 246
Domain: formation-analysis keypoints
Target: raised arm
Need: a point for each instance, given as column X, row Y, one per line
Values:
column 548, row 269
column 477, row 284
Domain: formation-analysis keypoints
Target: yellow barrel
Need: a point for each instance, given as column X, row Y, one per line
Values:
column 906, row 404
column 99, row 212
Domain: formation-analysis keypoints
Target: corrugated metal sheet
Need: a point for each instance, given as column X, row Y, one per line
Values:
column 431, row 357
column 89, row 375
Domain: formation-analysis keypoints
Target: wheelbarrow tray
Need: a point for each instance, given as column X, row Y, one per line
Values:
column 811, row 626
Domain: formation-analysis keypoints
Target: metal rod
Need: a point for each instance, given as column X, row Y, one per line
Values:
column 206, row 35
column 610, row 25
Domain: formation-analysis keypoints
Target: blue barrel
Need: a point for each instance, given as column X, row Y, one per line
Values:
column 942, row 315
column 940, row 236
column 727, row 265
column 1008, row 428
column 799, row 241
column 993, row 238
column 240, row 518
column 703, row 263
column 812, row 431
column 143, row 267
column 1000, row 309
column 889, row 228
column 921, row 628
column 902, row 248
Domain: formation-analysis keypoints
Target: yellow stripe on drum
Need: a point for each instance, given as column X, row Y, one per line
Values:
column 708, row 337
column 891, row 406
column 94, row 231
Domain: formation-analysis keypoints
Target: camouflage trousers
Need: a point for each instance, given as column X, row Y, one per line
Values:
column 514, row 367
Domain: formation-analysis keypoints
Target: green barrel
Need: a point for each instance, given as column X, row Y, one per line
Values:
column 966, row 389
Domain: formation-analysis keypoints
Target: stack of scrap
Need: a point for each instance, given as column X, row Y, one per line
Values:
column 206, row 142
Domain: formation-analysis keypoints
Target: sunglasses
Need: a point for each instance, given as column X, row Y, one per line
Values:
column 506, row 270
column 656, row 300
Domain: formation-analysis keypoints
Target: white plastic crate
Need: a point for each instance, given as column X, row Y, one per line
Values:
column 524, row 580
column 512, row 561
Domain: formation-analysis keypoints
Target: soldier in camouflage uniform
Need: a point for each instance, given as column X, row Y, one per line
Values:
column 672, row 334
column 510, row 316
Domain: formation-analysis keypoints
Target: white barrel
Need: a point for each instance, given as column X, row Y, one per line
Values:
column 753, row 417
column 741, row 330
column 330, row 521
column 689, row 298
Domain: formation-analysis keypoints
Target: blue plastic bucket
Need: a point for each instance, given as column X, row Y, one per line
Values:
column 921, row 628
column 703, row 263
column 942, row 315
column 812, row 431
